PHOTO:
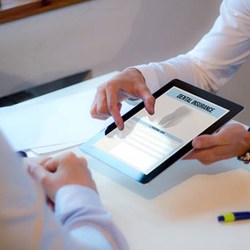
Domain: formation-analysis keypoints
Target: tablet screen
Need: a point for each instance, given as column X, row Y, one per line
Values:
column 147, row 142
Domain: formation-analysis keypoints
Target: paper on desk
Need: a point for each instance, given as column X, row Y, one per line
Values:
column 54, row 148
column 65, row 120
column 53, row 125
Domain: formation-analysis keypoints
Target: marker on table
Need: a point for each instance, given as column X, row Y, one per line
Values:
column 234, row 216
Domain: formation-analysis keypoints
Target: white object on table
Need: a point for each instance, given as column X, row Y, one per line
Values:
column 54, row 121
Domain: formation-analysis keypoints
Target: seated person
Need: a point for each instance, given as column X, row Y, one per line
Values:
column 78, row 221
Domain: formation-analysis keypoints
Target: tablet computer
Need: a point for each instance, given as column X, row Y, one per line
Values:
column 149, row 144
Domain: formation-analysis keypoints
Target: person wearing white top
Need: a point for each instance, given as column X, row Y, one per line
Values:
column 209, row 65
column 77, row 221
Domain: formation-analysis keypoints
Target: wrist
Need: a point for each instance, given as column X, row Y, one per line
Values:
column 136, row 74
column 138, row 78
column 246, row 156
column 70, row 198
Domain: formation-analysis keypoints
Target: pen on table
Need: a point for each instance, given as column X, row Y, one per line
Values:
column 22, row 153
column 234, row 216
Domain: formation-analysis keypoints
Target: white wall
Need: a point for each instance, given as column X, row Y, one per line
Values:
column 102, row 35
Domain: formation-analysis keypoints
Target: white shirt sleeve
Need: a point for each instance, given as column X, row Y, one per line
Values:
column 26, row 222
column 215, row 59
column 97, row 227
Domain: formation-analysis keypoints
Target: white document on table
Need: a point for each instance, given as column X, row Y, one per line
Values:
column 60, row 121
column 53, row 125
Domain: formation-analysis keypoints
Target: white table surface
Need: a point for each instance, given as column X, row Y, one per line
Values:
column 179, row 208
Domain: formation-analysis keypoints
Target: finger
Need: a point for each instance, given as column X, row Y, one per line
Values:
column 149, row 102
column 62, row 160
column 84, row 163
column 51, row 165
column 99, row 108
column 188, row 156
column 33, row 161
column 191, row 155
column 147, row 97
column 211, row 155
column 44, row 160
column 114, row 107
column 206, row 157
column 37, row 171
column 207, row 141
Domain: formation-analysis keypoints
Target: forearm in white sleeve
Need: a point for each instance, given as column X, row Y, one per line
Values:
column 215, row 59
column 80, row 210
column 157, row 74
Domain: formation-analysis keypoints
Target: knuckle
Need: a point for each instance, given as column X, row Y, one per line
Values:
column 84, row 162
column 109, row 85
column 102, row 109
column 44, row 180
column 206, row 161
column 100, row 88
column 33, row 169
column 70, row 155
column 93, row 113
column 67, row 157
column 205, row 158
column 151, row 99
column 111, row 107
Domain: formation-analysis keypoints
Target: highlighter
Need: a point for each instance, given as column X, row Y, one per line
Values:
column 234, row 216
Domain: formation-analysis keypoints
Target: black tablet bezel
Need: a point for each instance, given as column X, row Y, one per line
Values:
column 233, row 108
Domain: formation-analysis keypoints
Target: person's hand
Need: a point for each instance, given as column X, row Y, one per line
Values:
column 66, row 169
column 230, row 141
column 128, row 84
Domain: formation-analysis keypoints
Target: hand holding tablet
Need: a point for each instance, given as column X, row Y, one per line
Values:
column 149, row 144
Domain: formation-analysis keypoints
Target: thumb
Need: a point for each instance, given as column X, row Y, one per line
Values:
column 207, row 141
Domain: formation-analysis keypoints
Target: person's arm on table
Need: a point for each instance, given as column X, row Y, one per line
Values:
column 26, row 221
column 210, row 64
column 67, row 181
